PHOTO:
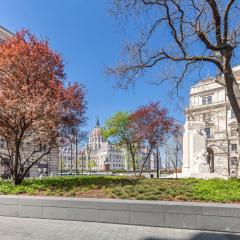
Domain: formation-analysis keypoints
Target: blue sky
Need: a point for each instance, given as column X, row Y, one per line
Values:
column 88, row 39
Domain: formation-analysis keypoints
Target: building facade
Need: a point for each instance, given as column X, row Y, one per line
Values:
column 97, row 155
column 46, row 166
column 100, row 155
column 210, row 142
column 4, row 33
column 68, row 156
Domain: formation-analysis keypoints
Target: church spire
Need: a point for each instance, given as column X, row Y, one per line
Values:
column 97, row 123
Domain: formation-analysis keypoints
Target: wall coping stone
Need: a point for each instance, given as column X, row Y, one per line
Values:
column 189, row 215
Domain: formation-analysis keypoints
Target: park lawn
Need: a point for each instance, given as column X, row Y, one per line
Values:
column 213, row 190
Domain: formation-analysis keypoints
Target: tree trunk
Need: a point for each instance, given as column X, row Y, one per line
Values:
column 238, row 158
column 227, row 135
column 157, row 163
column 133, row 163
column 233, row 93
column 232, row 87
column 150, row 151
column 133, row 160
column 17, row 180
column 176, row 169
column 236, row 168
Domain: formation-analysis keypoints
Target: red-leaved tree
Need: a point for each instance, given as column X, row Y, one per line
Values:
column 37, row 106
column 152, row 124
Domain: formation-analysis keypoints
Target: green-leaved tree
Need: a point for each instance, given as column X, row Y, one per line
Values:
column 120, row 132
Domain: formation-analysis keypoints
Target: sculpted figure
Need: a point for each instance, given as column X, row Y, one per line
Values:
column 200, row 158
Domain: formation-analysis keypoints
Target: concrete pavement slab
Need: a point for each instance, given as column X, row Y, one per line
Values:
column 12, row 228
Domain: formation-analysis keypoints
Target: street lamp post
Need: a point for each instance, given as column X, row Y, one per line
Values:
column 76, row 153
column 71, row 150
column 82, row 161
column 50, row 164
column 106, row 164
column 61, row 161
column 160, row 164
column 157, row 163
column 88, row 158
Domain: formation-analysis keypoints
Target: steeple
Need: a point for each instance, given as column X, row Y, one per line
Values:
column 97, row 123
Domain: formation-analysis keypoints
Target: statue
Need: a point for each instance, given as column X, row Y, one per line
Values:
column 200, row 158
column 195, row 148
column 200, row 132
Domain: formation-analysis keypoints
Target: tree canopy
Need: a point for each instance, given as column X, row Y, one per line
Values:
column 141, row 131
column 118, row 128
column 37, row 105
column 179, row 37
column 152, row 125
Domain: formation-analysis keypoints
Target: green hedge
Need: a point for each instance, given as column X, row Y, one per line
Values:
column 213, row 190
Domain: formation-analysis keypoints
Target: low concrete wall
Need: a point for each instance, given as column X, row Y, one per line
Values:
column 214, row 217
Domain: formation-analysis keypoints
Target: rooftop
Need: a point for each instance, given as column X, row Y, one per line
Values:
column 4, row 33
column 211, row 79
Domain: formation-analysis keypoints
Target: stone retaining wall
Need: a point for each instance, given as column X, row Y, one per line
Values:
column 204, row 216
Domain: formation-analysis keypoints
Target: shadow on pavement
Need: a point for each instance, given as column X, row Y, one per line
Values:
column 203, row 236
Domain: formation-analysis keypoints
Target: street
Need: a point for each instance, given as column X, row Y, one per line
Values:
column 32, row 229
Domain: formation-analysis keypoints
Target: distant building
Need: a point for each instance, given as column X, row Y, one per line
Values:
column 210, row 143
column 47, row 166
column 4, row 33
column 67, row 159
column 100, row 155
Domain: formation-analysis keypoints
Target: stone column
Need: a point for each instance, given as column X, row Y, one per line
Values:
column 194, row 147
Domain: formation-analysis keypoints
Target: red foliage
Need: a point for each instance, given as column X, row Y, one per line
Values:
column 152, row 125
column 36, row 105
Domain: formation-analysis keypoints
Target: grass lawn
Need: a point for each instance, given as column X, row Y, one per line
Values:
column 214, row 190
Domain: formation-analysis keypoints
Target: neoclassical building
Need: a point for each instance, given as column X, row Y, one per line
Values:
column 101, row 154
column 4, row 33
column 210, row 142
column 68, row 156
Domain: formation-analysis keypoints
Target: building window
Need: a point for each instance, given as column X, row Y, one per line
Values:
column 206, row 100
column 204, row 117
column 208, row 132
column 234, row 147
column 207, row 117
column 232, row 115
column 209, row 99
column 233, row 131
column 2, row 143
column 233, row 161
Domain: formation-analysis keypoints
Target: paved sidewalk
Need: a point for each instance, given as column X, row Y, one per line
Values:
column 32, row 229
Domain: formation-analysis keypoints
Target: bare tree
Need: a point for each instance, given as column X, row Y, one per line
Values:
column 79, row 137
column 174, row 149
column 196, row 33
